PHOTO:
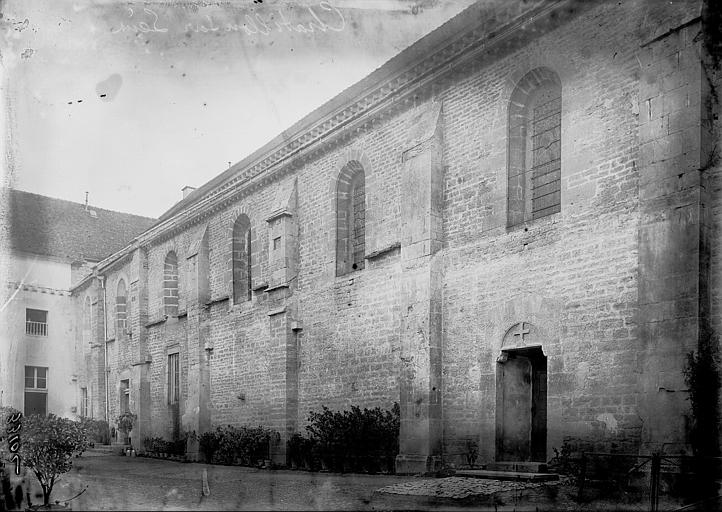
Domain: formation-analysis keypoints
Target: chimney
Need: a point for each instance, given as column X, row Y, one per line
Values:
column 86, row 200
column 187, row 190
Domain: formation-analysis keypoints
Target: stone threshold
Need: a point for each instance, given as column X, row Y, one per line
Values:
column 521, row 476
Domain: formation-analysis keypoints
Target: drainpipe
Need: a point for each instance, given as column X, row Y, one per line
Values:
column 105, row 349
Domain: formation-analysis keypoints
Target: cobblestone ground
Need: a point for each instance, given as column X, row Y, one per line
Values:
column 458, row 487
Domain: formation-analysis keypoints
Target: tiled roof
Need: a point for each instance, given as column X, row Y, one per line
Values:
column 55, row 227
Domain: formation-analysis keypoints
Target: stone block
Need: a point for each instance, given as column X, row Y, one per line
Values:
column 417, row 464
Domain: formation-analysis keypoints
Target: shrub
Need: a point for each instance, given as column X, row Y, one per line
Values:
column 229, row 444
column 563, row 461
column 160, row 445
column 152, row 444
column 177, row 447
column 702, row 376
column 208, row 443
column 126, row 421
column 49, row 444
column 98, row 430
column 354, row 438
column 301, row 451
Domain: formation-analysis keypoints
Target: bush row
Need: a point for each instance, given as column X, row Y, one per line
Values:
column 230, row 445
column 160, row 445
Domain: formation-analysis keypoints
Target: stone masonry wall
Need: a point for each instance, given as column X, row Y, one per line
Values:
column 572, row 276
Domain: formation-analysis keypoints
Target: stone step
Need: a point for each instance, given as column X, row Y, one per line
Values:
column 523, row 467
column 109, row 448
column 507, row 475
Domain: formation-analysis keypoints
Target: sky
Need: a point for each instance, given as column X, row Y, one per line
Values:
column 132, row 101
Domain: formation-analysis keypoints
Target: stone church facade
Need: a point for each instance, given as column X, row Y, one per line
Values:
column 509, row 229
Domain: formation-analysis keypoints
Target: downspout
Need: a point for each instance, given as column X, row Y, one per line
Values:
column 105, row 349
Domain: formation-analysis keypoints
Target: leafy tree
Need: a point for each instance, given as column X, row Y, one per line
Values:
column 48, row 446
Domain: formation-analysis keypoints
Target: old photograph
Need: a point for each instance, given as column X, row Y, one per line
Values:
column 360, row 255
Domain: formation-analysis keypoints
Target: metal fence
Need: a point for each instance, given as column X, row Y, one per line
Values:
column 644, row 473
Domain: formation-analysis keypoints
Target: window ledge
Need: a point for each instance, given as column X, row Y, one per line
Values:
column 216, row 300
column 277, row 286
column 382, row 251
column 240, row 305
column 552, row 218
column 110, row 340
column 260, row 286
column 283, row 212
column 156, row 322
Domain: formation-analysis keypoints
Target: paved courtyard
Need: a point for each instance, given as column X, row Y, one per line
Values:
column 131, row 483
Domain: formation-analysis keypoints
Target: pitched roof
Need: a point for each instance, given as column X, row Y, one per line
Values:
column 64, row 229
column 486, row 15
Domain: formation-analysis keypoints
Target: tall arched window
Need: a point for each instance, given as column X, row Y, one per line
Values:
column 350, row 219
column 241, row 259
column 121, row 313
column 534, row 157
column 170, row 285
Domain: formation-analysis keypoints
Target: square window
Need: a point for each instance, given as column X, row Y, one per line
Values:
column 36, row 377
column 36, row 322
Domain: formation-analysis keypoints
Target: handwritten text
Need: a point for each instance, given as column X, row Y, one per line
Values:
column 324, row 18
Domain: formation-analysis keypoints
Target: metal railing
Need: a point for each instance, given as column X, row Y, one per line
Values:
column 629, row 464
column 36, row 328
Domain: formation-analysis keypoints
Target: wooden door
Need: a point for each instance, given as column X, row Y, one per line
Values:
column 516, row 402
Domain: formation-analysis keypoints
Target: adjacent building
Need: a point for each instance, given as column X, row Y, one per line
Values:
column 52, row 244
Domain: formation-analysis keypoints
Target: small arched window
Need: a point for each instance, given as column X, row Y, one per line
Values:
column 242, row 284
column 170, row 285
column 121, row 312
column 350, row 218
column 534, row 156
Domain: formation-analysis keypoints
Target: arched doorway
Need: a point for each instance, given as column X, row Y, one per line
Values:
column 521, row 401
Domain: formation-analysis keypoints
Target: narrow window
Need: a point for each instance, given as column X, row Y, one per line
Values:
column 174, row 393
column 350, row 219
column 534, row 148
column 87, row 333
column 173, row 379
column 170, row 285
column 36, row 390
column 124, row 396
column 84, row 402
column 121, row 309
column 241, row 259
column 36, row 322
